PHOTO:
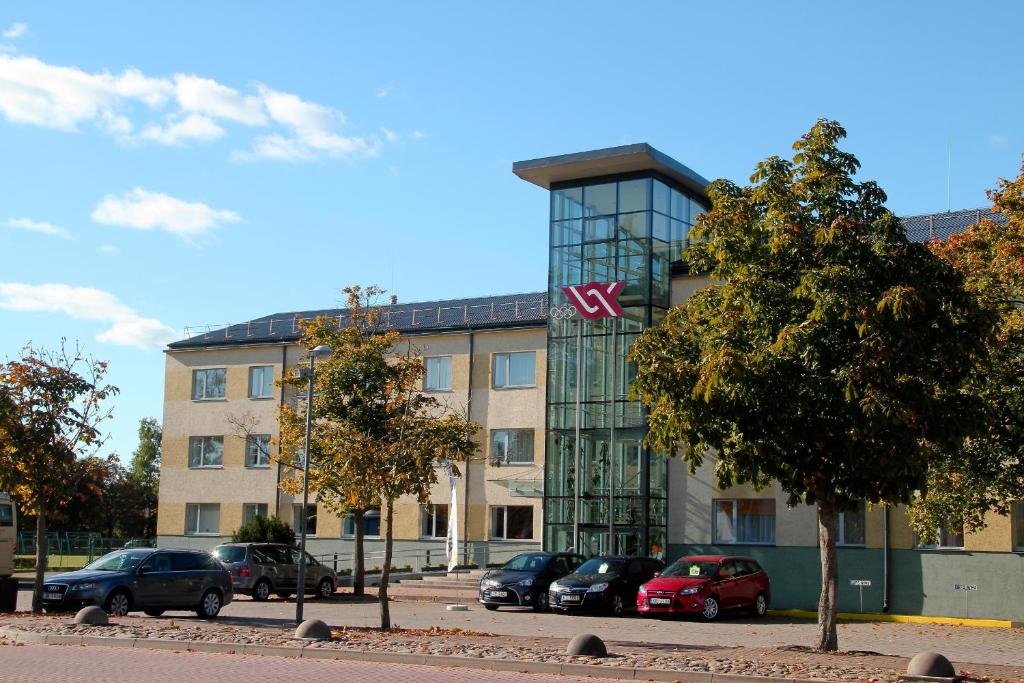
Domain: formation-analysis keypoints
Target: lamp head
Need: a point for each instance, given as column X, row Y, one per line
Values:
column 322, row 351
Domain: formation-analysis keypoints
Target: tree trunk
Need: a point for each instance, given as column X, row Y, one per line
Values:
column 385, row 572
column 828, row 639
column 41, row 555
column 358, row 559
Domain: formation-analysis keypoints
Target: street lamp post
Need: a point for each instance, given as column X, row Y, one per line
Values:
column 322, row 351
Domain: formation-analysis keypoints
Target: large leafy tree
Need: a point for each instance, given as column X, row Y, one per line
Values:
column 827, row 354
column 985, row 473
column 52, row 407
column 376, row 436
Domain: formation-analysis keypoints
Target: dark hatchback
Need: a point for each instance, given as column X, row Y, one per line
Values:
column 523, row 581
column 603, row 584
column 151, row 580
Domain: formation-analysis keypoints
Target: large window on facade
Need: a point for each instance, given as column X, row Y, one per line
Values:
column 206, row 451
column 515, row 369
column 951, row 538
column 257, row 450
column 512, row 446
column 434, row 521
column 439, row 374
column 744, row 521
column 511, row 522
column 310, row 519
column 251, row 510
column 371, row 525
column 209, row 384
column 850, row 526
column 6, row 514
column 1018, row 526
column 202, row 519
column 261, row 381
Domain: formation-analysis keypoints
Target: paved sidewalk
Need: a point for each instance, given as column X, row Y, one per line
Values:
column 60, row 664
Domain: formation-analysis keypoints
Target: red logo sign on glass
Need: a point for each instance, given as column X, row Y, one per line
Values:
column 596, row 299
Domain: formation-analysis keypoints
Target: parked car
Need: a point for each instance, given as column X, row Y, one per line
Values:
column 707, row 585
column 603, row 584
column 523, row 581
column 8, row 534
column 259, row 569
column 144, row 579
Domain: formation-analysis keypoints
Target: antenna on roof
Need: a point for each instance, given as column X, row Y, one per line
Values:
column 949, row 170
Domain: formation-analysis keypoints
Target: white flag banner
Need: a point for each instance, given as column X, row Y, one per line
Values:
column 452, row 546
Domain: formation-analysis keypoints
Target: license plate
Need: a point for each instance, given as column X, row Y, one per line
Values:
column 52, row 596
column 570, row 598
column 661, row 601
column 498, row 594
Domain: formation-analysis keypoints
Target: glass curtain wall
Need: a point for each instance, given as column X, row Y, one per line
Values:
column 631, row 230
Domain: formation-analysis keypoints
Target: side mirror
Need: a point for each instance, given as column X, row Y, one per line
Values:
column 143, row 570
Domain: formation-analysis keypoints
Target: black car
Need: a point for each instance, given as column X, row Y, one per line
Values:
column 523, row 581
column 605, row 584
column 151, row 580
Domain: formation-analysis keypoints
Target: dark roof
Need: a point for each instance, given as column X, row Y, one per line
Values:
column 487, row 312
column 930, row 226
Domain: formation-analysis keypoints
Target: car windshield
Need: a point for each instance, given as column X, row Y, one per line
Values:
column 527, row 563
column 697, row 570
column 602, row 566
column 229, row 553
column 119, row 561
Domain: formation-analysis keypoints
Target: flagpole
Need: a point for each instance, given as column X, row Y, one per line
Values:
column 577, row 475
column 611, row 442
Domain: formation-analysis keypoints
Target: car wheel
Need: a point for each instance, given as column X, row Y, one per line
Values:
column 618, row 605
column 118, row 603
column 261, row 591
column 711, row 608
column 209, row 606
column 325, row 588
column 491, row 607
column 541, row 604
column 760, row 605
column 153, row 612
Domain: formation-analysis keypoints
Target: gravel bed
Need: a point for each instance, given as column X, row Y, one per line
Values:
column 456, row 642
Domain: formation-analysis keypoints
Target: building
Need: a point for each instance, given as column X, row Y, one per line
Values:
column 619, row 214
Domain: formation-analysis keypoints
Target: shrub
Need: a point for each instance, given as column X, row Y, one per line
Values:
column 264, row 530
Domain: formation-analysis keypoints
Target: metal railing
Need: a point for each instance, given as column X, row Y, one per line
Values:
column 480, row 556
column 77, row 544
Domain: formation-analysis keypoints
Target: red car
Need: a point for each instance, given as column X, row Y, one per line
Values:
column 706, row 585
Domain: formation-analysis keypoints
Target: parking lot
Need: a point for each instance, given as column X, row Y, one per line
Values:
column 959, row 643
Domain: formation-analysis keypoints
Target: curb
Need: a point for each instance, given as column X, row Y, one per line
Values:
column 899, row 618
column 454, row 661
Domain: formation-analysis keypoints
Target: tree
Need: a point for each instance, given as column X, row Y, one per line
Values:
column 261, row 529
column 985, row 472
column 827, row 352
column 376, row 436
column 52, row 410
column 144, row 476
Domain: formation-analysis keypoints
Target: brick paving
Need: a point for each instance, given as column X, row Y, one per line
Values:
column 61, row 664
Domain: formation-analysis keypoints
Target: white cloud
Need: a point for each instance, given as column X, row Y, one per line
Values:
column 417, row 135
column 109, row 249
column 389, row 135
column 40, row 227
column 144, row 210
column 385, row 90
column 127, row 328
column 194, row 127
column 208, row 97
column 16, row 30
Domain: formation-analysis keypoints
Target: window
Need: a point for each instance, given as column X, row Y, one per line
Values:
column 744, row 521
column 371, row 525
column 512, row 522
column 512, row 446
column 850, row 527
column 206, row 451
column 6, row 514
column 310, row 519
column 1018, row 526
column 209, row 384
column 257, row 450
column 946, row 538
column 439, row 374
column 261, row 381
column 515, row 369
column 202, row 519
column 434, row 521
column 251, row 510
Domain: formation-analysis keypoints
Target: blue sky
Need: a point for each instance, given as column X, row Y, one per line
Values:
column 174, row 164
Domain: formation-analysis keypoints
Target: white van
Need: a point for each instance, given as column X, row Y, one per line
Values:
column 8, row 534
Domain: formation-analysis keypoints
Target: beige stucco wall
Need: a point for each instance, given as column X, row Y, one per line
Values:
column 683, row 288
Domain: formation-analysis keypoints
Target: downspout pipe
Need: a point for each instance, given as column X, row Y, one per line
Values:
column 277, row 486
column 885, row 558
column 469, row 416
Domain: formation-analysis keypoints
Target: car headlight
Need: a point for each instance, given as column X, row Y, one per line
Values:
column 81, row 587
column 489, row 583
column 689, row 591
column 597, row 588
column 525, row 583
column 643, row 588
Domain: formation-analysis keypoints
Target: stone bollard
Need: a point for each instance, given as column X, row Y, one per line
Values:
column 587, row 645
column 313, row 629
column 94, row 616
column 930, row 665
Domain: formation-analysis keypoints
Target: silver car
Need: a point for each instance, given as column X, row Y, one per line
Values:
column 259, row 569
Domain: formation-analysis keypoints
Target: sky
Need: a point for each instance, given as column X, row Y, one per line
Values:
column 165, row 165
